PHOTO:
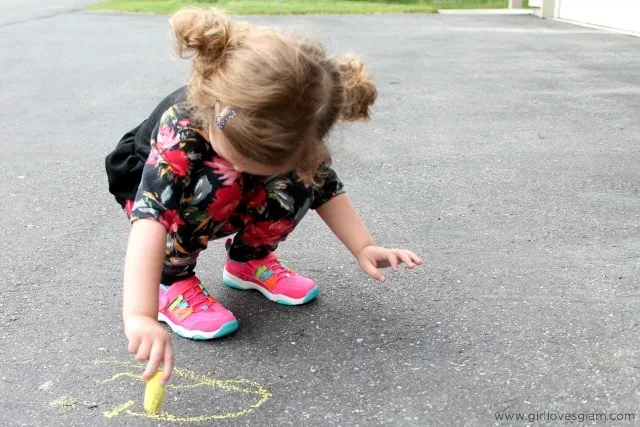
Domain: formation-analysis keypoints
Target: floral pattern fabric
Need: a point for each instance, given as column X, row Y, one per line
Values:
column 198, row 196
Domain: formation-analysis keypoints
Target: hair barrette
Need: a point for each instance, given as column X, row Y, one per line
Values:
column 224, row 116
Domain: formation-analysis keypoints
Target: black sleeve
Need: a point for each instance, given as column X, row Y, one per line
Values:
column 331, row 187
column 125, row 163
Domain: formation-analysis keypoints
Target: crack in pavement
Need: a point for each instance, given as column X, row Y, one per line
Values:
column 37, row 18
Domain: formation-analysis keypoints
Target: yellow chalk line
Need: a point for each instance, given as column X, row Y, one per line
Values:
column 118, row 410
column 239, row 385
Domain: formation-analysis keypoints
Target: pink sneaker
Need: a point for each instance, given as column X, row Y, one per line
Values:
column 191, row 312
column 271, row 278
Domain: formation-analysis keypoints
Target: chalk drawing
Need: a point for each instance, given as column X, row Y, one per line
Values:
column 251, row 388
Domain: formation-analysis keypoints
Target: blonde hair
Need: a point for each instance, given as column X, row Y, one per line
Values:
column 288, row 94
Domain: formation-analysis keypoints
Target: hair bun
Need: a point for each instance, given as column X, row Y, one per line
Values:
column 360, row 91
column 204, row 32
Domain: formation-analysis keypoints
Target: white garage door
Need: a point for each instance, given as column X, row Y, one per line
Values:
column 618, row 14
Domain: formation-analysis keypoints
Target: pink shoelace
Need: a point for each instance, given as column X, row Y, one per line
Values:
column 195, row 297
column 279, row 270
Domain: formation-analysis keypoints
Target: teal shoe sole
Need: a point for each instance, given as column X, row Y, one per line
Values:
column 225, row 330
column 313, row 293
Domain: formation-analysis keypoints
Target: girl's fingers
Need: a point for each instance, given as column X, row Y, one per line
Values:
column 371, row 270
column 406, row 258
column 167, row 364
column 415, row 257
column 155, row 358
column 152, row 368
column 143, row 350
column 393, row 260
column 134, row 344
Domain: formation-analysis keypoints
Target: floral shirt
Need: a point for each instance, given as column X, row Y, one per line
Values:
column 192, row 191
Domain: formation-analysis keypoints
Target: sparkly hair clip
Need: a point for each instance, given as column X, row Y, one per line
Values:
column 224, row 116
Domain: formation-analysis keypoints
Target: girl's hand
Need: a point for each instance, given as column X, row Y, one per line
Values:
column 371, row 258
column 148, row 340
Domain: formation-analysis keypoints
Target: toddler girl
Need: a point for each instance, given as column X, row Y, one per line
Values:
column 239, row 151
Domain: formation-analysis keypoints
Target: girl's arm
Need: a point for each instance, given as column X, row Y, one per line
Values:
column 143, row 269
column 343, row 220
column 148, row 340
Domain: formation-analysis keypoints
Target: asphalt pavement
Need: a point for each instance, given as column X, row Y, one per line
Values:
column 503, row 149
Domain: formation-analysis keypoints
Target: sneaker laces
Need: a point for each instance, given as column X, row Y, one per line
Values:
column 196, row 297
column 271, row 262
column 279, row 269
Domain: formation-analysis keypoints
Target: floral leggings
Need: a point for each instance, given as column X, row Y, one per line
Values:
column 263, row 215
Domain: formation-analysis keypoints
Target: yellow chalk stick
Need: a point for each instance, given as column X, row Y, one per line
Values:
column 153, row 394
